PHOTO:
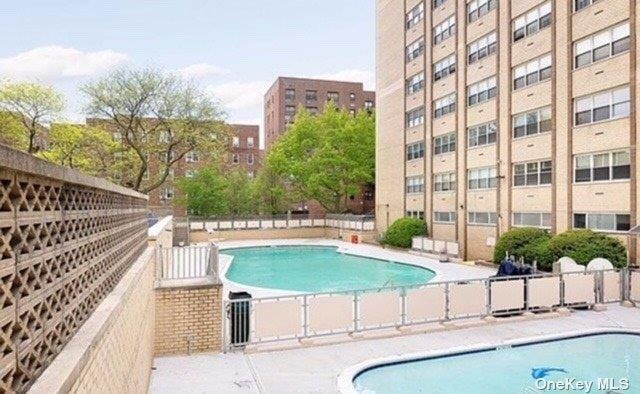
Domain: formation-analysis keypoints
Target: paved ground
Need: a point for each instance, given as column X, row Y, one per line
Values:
column 316, row 369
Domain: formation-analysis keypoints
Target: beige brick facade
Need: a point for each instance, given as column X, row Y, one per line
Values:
column 552, row 32
column 188, row 320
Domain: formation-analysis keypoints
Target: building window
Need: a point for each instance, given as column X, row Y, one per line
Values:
column 486, row 218
column 250, row 142
column 602, row 45
column 438, row 3
column 481, row 91
column 236, row 142
column 191, row 157
column 537, row 70
column 580, row 4
column 352, row 97
column 484, row 134
column 415, row 15
column 444, row 105
column 415, row 117
column 311, row 96
column 482, row 48
column 368, row 105
column 444, row 182
column 532, row 122
column 444, row 217
column 334, row 96
column 532, row 22
column 479, row 8
column 415, row 49
column 602, row 221
column 532, row 174
column 251, row 174
column 415, row 151
column 352, row 112
column 289, row 113
column 167, row 193
column 415, row 214
column 190, row 174
column 250, row 159
column 415, row 184
column 235, row 158
column 167, row 157
column 415, row 83
column 312, row 110
column 444, row 144
column 290, row 94
column 532, row 219
column 444, row 68
column 145, row 176
column 598, row 167
column 612, row 104
column 444, row 30
column 482, row 178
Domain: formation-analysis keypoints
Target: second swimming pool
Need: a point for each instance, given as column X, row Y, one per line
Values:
column 317, row 269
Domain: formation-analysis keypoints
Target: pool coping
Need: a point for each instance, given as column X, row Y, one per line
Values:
column 348, row 375
column 342, row 247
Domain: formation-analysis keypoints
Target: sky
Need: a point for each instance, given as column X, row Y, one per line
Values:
column 233, row 49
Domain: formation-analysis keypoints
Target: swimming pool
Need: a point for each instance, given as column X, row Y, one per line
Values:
column 527, row 368
column 317, row 269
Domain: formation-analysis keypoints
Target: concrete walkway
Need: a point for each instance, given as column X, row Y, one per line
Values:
column 316, row 369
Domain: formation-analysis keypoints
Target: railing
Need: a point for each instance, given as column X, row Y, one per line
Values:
column 188, row 262
column 263, row 320
column 634, row 285
column 347, row 222
column 434, row 246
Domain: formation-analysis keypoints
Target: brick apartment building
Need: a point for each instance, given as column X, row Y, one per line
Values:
column 287, row 94
column 499, row 114
column 244, row 152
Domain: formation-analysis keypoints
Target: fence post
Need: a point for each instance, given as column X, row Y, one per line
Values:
column 403, row 306
column 305, row 316
column 446, row 301
column 212, row 266
column 356, row 312
column 487, row 286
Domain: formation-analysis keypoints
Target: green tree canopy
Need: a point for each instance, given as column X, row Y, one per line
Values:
column 32, row 106
column 327, row 157
column 157, row 115
column 271, row 192
column 205, row 194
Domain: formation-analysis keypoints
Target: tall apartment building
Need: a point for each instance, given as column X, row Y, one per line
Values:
column 496, row 114
column 286, row 95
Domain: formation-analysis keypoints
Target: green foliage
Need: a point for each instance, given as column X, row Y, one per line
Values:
column 581, row 245
column 206, row 193
column 239, row 193
column 157, row 115
column 326, row 157
column 270, row 191
column 520, row 242
column 32, row 106
column 12, row 132
column 399, row 234
column 585, row 245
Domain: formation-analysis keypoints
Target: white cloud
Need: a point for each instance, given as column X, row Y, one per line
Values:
column 51, row 63
column 201, row 70
column 240, row 95
column 368, row 78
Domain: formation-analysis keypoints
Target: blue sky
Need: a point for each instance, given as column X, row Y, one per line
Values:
column 234, row 49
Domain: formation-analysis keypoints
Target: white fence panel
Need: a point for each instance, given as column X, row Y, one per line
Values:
column 224, row 225
column 426, row 304
column 544, row 292
column 266, row 224
column 369, row 226
column 416, row 243
column 453, row 248
column 319, row 222
column 611, row 286
column 277, row 319
column 306, row 223
column 253, row 224
column 196, row 226
column 240, row 224
column 280, row 223
column 579, row 288
column 635, row 286
column 210, row 226
column 466, row 300
column 330, row 314
column 507, row 295
column 379, row 309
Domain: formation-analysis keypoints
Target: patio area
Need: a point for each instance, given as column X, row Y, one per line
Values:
column 316, row 369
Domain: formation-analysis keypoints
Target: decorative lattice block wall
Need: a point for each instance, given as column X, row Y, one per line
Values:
column 65, row 241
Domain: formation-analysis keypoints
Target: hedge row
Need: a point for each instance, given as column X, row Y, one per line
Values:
column 399, row 234
column 581, row 245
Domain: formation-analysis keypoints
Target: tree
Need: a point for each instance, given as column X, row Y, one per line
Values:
column 240, row 193
column 156, row 115
column 327, row 157
column 270, row 191
column 12, row 132
column 31, row 106
column 205, row 194
column 88, row 149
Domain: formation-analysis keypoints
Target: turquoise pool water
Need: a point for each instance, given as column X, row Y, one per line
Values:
column 514, row 370
column 317, row 269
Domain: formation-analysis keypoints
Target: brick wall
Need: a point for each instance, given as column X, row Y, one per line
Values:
column 188, row 320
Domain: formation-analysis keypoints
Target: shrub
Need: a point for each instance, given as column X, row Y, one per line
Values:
column 521, row 242
column 399, row 234
column 585, row 245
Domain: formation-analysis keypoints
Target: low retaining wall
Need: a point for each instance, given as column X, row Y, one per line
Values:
column 302, row 232
column 188, row 318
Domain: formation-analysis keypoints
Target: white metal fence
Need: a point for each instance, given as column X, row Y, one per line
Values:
column 262, row 320
column 349, row 222
column 429, row 245
column 187, row 262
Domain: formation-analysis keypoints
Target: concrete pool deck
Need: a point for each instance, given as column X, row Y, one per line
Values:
column 317, row 369
column 443, row 271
